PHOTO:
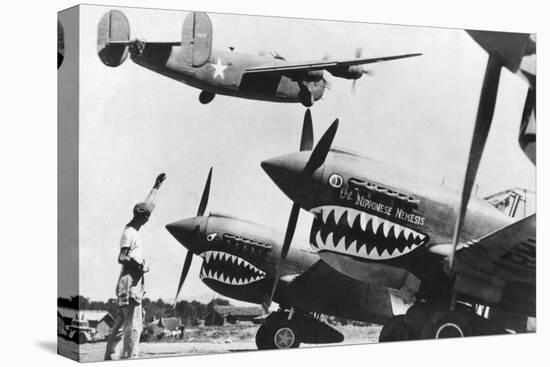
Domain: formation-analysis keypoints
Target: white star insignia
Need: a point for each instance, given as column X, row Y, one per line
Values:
column 219, row 67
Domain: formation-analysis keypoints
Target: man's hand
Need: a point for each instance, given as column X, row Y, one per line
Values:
column 159, row 180
column 144, row 267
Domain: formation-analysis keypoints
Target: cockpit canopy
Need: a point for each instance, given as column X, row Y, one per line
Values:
column 516, row 203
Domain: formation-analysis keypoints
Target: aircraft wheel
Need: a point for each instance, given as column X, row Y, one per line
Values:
column 286, row 336
column 206, row 97
column 279, row 334
column 306, row 98
column 396, row 330
column 447, row 324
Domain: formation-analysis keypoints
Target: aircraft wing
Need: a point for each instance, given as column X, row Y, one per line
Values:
column 290, row 67
column 500, row 268
column 322, row 289
column 125, row 43
column 508, row 254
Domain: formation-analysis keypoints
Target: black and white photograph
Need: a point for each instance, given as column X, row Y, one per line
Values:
column 231, row 183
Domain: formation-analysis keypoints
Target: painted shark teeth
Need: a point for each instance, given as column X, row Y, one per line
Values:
column 229, row 269
column 370, row 237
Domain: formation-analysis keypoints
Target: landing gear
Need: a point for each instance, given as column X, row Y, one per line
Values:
column 277, row 332
column 434, row 320
column 396, row 329
column 284, row 330
column 447, row 324
column 206, row 97
column 305, row 96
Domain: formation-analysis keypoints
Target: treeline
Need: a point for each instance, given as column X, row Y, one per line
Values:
column 188, row 312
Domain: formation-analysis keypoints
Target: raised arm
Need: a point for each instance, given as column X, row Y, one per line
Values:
column 150, row 200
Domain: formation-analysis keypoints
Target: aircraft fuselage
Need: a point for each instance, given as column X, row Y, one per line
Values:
column 224, row 73
column 240, row 260
column 375, row 223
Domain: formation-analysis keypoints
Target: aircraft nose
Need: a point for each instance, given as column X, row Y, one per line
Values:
column 287, row 173
column 186, row 231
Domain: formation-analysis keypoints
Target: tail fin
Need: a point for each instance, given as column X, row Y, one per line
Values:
column 113, row 36
column 196, row 38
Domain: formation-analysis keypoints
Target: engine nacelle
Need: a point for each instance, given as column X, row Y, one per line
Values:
column 312, row 76
column 350, row 72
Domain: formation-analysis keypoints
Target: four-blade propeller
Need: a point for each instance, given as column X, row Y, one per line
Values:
column 200, row 213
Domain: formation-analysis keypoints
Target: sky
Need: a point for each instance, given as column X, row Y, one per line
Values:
column 416, row 114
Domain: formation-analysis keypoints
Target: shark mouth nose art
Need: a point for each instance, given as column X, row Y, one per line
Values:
column 229, row 269
column 359, row 234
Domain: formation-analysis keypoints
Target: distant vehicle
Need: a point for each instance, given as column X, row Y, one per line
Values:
column 193, row 62
column 80, row 331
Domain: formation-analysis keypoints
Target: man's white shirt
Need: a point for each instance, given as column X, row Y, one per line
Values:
column 130, row 239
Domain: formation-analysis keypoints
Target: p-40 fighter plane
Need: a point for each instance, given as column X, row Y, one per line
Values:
column 192, row 61
column 241, row 261
column 389, row 229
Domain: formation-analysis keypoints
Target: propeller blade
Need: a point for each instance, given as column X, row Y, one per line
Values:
column 486, row 109
column 369, row 72
column 328, row 84
column 358, row 52
column 291, row 227
column 307, row 133
column 321, row 150
column 316, row 159
column 353, row 86
column 205, row 195
column 184, row 271
column 200, row 212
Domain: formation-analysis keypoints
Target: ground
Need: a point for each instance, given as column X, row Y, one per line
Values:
column 208, row 340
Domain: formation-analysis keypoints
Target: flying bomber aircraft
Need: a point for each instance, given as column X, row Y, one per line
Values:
column 241, row 261
column 387, row 228
column 192, row 61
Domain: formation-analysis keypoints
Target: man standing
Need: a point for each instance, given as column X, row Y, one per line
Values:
column 130, row 286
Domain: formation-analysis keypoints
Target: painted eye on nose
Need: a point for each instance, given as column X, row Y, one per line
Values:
column 335, row 181
column 211, row 237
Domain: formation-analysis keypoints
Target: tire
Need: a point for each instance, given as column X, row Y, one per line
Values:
column 447, row 324
column 206, row 97
column 278, row 334
column 396, row 330
column 286, row 336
